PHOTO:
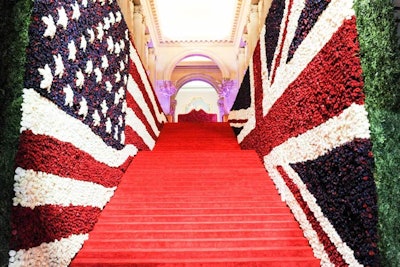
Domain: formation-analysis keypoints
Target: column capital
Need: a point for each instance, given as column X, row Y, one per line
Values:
column 226, row 87
column 166, row 88
column 137, row 9
column 254, row 9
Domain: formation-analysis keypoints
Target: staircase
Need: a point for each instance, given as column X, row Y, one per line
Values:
column 196, row 200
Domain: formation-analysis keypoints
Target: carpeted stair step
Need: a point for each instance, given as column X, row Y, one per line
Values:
column 196, row 211
column 216, row 262
column 182, row 203
column 198, row 218
column 203, row 243
column 184, row 234
column 196, row 200
column 107, row 226
column 200, row 253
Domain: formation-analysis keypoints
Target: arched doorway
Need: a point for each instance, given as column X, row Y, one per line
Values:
column 196, row 95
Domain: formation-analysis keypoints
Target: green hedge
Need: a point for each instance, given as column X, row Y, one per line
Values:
column 381, row 67
column 14, row 22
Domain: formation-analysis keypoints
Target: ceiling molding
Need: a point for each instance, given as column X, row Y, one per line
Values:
column 162, row 40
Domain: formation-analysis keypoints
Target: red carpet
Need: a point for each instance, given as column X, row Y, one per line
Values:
column 196, row 200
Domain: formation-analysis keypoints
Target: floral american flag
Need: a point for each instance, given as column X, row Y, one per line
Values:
column 88, row 108
column 81, row 56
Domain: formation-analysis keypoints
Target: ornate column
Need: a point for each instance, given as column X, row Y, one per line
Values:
column 147, row 39
column 241, row 62
column 152, row 65
column 252, row 28
column 168, row 91
column 224, row 92
column 139, row 30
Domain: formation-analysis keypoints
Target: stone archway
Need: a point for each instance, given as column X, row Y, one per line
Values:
column 198, row 77
column 196, row 95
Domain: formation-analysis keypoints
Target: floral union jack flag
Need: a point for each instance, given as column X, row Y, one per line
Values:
column 87, row 109
column 304, row 114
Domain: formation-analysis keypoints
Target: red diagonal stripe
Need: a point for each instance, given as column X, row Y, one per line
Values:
column 132, row 137
column 330, row 248
column 257, row 76
column 139, row 113
column 136, row 76
column 278, row 58
column 43, row 224
column 47, row 154
column 331, row 83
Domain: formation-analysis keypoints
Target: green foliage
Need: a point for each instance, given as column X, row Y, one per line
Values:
column 380, row 60
column 379, row 53
column 14, row 22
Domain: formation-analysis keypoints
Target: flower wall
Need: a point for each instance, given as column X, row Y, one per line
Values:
column 87, row 109
column 305, row 116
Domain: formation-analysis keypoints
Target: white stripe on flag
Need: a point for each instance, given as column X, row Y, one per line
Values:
column 308, row 230
column 134, row 90
column 341, row 246
column 56, row 253
column 39, row 188
column 351, row 123
column 145, row 79
column 137, row 125
column 328, row 23
column 41, row 116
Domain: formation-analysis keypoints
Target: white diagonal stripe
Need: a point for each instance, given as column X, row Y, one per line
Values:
column 137, row 125
column 138, row 63
column 341, row 246
column 328, row 23
column 134, row 90
column 35, row 188
column 351, row 123
column 42, row 116
column 56, row 253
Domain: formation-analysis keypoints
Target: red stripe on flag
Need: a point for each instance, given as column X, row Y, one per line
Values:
column 257, row 77
column 132, row 137
column 330, row 248
column 238, row 121
column 136, row 76
column 47, row 154
column 322, row 91
column 43, row 224
column 278, row 58
column 139, row 113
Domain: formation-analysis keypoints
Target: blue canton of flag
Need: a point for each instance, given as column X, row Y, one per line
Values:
column 81, row 56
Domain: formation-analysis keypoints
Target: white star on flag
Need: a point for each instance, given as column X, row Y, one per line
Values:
column 59, row 65
column 72, row 50
column 89, row 67
column 76, row 12
column 104, row 107
column 80, row 79
column 47, row 80
column 69, row 96
column 100, row 32
column 51, row 27
column 62, row 18
column 99, row 75
column 83, row 110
